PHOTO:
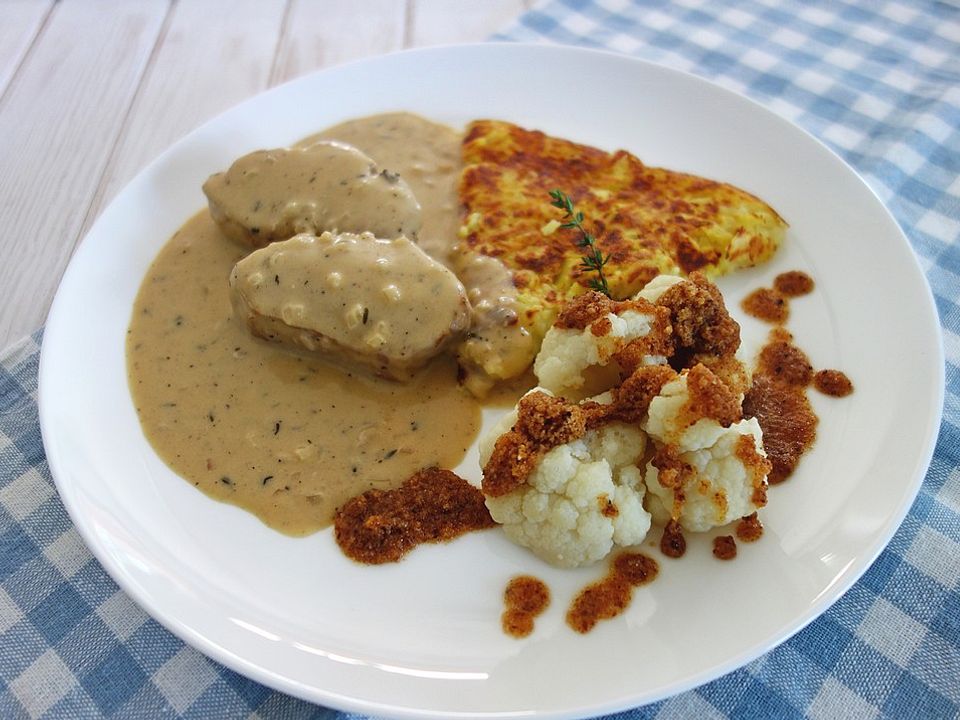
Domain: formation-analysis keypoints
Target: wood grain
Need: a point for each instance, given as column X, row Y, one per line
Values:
column 443, row 22
column 321, row 34
column 20, row 21
column 194, row 75
column 60, row 117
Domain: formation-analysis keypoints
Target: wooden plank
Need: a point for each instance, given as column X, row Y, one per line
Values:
column 441, row 22
column 20, row 21
column 59, row 120
column 214, row 54
column 320, row 33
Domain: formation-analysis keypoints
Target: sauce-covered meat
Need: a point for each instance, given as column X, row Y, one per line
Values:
column 353, row 298
column 294, row 435
column 271, row 195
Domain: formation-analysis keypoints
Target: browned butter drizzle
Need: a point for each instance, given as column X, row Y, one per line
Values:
column 280, row 434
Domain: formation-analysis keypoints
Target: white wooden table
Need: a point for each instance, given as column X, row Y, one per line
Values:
column 92, row 90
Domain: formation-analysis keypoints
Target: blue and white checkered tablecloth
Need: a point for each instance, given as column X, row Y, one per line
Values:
column 878, row 81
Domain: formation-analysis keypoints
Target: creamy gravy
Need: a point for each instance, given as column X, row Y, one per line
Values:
column 426, row 155
column 269, row 195
column 355, row 298
column 285, row 436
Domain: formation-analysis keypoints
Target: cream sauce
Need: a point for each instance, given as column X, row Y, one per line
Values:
column 283, row 435
column 286, row 435
column 427, row 156
column 271, row 195
column 354, row 298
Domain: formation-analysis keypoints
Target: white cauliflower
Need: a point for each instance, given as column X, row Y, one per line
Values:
column 703, row 475
column 652, row 291
column 566, row 353
column 719, row 487
column 668, row 422
column 582, row 497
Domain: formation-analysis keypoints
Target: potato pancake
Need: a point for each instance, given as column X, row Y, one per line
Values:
column 647, row 220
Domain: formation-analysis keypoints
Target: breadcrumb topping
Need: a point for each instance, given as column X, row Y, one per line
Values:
column 701, row 323
column 548, row 421
column 511, row 462
column 709, row 397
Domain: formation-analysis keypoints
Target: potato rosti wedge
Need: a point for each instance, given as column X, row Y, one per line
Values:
column 647, row 220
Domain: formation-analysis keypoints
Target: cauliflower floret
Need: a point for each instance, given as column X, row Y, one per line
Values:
column 671, row 419
column 582, row 498
column 567, row 352
column 709, row 467
column 716, row 484
column 652, row 291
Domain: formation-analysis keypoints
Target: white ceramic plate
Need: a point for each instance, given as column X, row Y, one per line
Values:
column 422, row 637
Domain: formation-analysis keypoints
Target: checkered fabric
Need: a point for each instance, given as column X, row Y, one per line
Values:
column 877, row 81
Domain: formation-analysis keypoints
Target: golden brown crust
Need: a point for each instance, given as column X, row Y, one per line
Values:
column 524, row 598
column 548, row 421
column 510, row 464
column 672, row 542
column 610, row 596
column 787, row 419
column 701, row 323
column 756, row 465
column 767, row 305
column 724, row 547
column 833, row 383
column 728, row 369
column 784, row 361
column 543, row 422
column 583, row 310
column 586, row 309
column 631, row 401
column 647, row 220
column 709, row 397
column 673, row 474
column 657, row 342
column 749, row 529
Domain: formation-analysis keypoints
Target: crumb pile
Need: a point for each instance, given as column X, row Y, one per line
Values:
column 664, row 438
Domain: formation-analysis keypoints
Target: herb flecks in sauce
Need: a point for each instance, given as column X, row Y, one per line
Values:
column 316, row 431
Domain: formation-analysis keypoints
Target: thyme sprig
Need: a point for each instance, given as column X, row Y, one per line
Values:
column 593, row 260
